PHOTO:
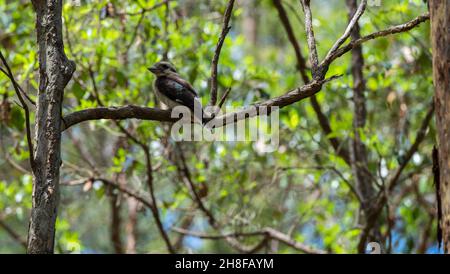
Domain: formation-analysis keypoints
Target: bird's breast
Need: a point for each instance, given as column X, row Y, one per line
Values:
column 165, row 101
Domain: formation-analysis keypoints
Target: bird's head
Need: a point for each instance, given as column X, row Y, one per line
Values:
column 162, row 68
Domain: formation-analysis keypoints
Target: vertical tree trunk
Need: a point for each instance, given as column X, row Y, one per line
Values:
column 358, row 151
column 130, row 227
column 250, row 21
column 440, row 36
column 55, row 71
column 116, row 222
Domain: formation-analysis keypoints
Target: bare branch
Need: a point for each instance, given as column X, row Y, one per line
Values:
column 420, row 136
column 116, row 113
column 224, row 97
column 389, row 31
column 267, row 232
column 313, row 57
column 301, row 65
column 215, row 61
column 335, row 170
column 130, row 192
column 146, row 113
column 144, row 10
column 15, row 165
column 186, row 176
column 148, row 163
column 13, row 234
column 216, row 237
column 353, row 22
column 381, row 200
column 24, row 106
column 154, row 209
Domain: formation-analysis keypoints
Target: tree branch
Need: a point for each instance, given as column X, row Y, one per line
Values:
column 301, row 65
column 144, row 10
column 293, row 96
column 301, row 62
column 313, row 57
column 389, row 31
column 381, row 200
column 351, row 25
column 215, row 60
column 116, row 113
column 186, row 176
column 128, row 191
column 267, row 232
column 13, row 234
column 154, row 114
column 25, row 108
column 420, row 136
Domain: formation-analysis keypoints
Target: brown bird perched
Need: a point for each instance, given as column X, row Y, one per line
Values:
column 172, row 90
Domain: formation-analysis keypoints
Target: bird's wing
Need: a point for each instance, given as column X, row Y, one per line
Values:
column 176, row 91
column 184, row 83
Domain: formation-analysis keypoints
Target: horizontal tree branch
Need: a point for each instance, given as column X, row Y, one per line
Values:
column 268, row 232
column 154, row 114
column 122, row 188
column 293, row 96
column 116, row 113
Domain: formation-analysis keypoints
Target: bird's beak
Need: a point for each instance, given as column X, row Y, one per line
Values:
column 152, row 69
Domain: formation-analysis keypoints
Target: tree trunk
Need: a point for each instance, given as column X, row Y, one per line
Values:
column 358, row 151
column 250, row 22
column 440, row 36
column 55, row 71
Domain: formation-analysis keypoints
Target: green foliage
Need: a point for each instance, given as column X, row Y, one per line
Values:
column 246, row 189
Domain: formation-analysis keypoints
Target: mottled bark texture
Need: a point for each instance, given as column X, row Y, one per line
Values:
column 440, row 36
column 358, row 151
column 55, row 71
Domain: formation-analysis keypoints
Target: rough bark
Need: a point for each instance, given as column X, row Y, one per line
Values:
column 55, row 71
column 116, row 222
column 440, row 36
column 358, row 151
column 130, row 227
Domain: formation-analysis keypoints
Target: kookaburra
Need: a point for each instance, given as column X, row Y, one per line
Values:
column 172, row 90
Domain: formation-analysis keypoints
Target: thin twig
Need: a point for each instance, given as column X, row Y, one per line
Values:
column 351, row 25
column 148, row 165
column 225, row 29
column 13, row 234
column 313, row 57
column 224, row 97
column 25, row 107
column 158, row 5
column 420, row 136
column 267, row 232
column 389, row 31
column 301, row 65
column 381, row 199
